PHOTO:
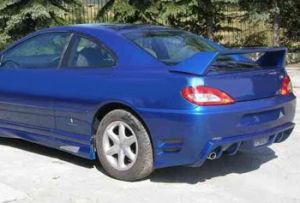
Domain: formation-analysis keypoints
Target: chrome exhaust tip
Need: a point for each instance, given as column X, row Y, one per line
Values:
column 212, row 156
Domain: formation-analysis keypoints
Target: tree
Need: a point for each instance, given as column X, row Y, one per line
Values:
column 290, row 23
column 20, row 17
column 199, row 16
column 279, row 13
column 138, row 11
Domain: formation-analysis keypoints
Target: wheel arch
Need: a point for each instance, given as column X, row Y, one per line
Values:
column 106, row 108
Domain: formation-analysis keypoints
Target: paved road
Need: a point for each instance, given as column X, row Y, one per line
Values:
column 30, row 173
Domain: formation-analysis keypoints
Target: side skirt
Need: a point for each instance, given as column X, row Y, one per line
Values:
column 64, row 142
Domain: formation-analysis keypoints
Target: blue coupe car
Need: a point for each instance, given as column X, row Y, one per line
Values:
column 140, row 97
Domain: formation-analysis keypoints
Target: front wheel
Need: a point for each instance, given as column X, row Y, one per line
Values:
column 123, row 146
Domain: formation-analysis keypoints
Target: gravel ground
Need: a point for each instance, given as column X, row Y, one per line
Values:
column 31, row 173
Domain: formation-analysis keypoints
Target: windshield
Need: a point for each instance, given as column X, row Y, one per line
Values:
column 170, row 47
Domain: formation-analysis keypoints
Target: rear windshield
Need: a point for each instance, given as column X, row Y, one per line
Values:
column 170, row 47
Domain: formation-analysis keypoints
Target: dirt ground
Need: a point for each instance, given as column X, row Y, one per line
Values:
column 31, row 173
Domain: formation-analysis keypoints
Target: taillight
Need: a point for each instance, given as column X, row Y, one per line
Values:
column 206, row 96
column 287, row 86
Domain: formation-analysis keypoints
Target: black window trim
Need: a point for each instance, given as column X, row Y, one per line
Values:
column 30, row 37
column 73, row 42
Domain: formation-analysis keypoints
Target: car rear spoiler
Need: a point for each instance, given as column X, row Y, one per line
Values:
column 201, row 63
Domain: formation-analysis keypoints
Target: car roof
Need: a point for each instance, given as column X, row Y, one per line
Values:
column 113, row 28
column 131, row 27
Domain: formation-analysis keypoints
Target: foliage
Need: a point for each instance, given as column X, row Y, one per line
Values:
column 202, row 17
column 20, row 17
column 199, row 16
column 138, row 11
column 234, row 22
column 207, row 17
column 290, row 22
column 257, row 39
column 279, row 13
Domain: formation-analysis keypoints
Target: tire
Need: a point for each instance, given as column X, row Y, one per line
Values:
column 141, row 164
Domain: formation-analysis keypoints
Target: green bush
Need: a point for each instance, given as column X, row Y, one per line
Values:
column 20, row 17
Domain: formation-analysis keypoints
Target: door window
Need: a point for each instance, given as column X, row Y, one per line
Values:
column 89, row 54
column 42, row 51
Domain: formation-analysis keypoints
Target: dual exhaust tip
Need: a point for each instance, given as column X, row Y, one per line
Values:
column 229, row 149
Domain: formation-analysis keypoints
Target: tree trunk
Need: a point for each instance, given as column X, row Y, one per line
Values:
column 276, row 28
column 210, row 27
column 209, row 19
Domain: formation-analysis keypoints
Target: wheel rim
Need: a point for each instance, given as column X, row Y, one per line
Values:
column 120, row 145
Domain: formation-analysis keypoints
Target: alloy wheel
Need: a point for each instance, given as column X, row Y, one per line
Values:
column 120, row 145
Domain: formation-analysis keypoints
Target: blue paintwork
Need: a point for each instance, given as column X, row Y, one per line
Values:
column 274, row 57
column 57, row 107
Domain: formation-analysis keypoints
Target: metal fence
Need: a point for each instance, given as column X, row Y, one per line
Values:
column 87, row 13
column 237, row 32
column 240, row 32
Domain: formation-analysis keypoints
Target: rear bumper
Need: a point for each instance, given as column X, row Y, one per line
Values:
column 188, row 137
column 231, row 145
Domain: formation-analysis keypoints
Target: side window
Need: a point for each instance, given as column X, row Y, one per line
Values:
column 87, row 54
column 42, row 51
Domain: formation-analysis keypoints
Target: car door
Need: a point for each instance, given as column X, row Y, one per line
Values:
column 82, row 79
column 27, row 84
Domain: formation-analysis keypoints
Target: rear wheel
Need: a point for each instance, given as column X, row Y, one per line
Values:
column 123, row 146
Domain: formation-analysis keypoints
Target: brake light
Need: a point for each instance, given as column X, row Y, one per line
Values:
column 287, row 86
column 206, row 96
